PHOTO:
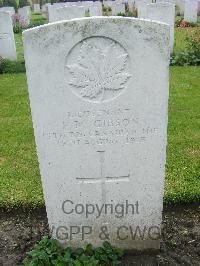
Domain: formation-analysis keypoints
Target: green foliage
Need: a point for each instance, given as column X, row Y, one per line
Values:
column 48, row 252
column 193, row 42
column 37, row 20
column 23, row 3
column 17, row 28
column 121, row 14
column 107, row 9
column 180, row 22
column 36, row 23
column 13, row 3
column 7, row 66
column 42, row 2
column 1, row 3
column 185, row 59
column 191, row 56
column 127, row 14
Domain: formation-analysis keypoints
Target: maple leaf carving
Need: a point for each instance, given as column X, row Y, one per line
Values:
column 99, row 69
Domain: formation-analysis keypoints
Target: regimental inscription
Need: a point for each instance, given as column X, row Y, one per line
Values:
column 101, row 127
column 97, row 69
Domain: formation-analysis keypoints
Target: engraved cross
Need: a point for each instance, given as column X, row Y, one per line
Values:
column 103, row 179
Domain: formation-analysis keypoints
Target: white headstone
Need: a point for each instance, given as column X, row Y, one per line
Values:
column 190, row 14
column 95, row 9
column 66, row 12
column 118, row 8
column 24, row 14
column 44, row 10
column 87, row 5
column 164, row 12
column 7, row 40
column 36, row 8
column 142, row 8
column 8, row 9
column 47, row 10
column 28, row 9
column 57, row 5
column 108, row 3
column 99, row 94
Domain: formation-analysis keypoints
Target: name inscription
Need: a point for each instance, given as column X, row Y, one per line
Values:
column 101, row 127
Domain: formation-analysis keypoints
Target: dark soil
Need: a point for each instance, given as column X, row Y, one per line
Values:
column 20, row 229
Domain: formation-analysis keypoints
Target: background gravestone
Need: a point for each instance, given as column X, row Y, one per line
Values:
column 142, row 8
column 99, row 109
column 24, row 13
column 66, row 12
column 118, row 8
column 164, row 12
column 108, row 3
column 36, row 8
column 181, row 5
column 8, row 9
column 96, row 9
column 190, row 13
column 7, row 40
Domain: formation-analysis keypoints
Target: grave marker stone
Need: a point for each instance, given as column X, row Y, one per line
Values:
column 164, row 12
column 7, row 40
column 142, row 8
column 108, row 3
column 36, row 8
column 8, row 9
column 118, row 8
column 66, row 12
column 95, row 9
column 190, row 13
column 99, row 109
column 24, row 13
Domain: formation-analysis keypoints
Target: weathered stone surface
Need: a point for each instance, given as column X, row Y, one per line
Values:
column 164, row 12
column 7, row 41
column 99, row 93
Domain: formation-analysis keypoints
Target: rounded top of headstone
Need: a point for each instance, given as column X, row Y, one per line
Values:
column 98, row 19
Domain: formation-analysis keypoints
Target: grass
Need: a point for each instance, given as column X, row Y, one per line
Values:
column 19, row 173
column 37, row 19
column 183, row 152
column 19, row 47
column 20, row 178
